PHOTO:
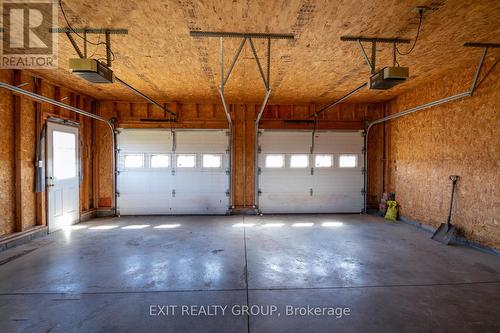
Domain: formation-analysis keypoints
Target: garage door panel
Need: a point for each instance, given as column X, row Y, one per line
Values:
column 275, row 183
column 144, row 182
column 201, row 182
column 170, row 190
column 145, row 204
column 275, row 142
column 206, row 203
column 201, row 141
column 339, row 142
column 326, row 190
column 145, row 140
column 334, row 181
column 289, row 203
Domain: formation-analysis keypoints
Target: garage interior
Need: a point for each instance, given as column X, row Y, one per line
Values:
column 239, row 154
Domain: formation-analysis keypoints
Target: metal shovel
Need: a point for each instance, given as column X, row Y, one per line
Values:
column 446, row 232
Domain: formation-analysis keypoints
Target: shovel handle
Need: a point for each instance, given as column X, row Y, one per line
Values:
column 453, row 184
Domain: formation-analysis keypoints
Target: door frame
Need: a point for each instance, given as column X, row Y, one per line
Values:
column 51, row 125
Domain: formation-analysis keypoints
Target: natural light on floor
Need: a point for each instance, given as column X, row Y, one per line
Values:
column 243, row 225
column 75, row 227
column 136, row 226
column 104, row 227
column 332, row 224
column 167, row 226
column 273, row 225
column 303, row 224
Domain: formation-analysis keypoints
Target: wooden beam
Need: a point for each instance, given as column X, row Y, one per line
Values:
column 95, row 159
column 39, row 196
column 16, row 108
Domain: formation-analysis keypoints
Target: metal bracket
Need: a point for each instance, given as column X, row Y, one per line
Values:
column 266, row 77
column 338, row 101
column 197, row 33
column 75, row 45
column 85, row 31
column 485, row 47
column 244, row 37
column 374, row 40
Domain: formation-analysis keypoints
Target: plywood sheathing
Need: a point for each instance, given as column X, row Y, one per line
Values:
column 28, row 132
column 160, row 58
column 7, row 174
column 104, row 155
column 458, row 138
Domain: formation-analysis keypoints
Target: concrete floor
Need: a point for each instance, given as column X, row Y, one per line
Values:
column 390, row 276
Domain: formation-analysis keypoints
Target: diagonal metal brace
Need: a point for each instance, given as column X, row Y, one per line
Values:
column 75, row 45
column 266, row 82
column 374, row 40
column 235, row 58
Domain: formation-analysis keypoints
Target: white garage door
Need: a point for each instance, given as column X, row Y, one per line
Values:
column 292, row 180
column 172, row 172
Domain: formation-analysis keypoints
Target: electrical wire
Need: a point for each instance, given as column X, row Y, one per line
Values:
column 95, row 49
column 421, row 12
column 82, row 37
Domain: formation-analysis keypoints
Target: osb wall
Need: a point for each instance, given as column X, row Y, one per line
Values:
column 7, row 171
column 20, row 124
column 458, row 138
column 203, row 116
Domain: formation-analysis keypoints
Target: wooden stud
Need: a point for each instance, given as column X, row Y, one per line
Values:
column 16, row 106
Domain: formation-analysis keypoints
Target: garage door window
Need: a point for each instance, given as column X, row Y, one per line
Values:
column 160, row 161
column 133, row 161
column 299, row 161
column 186, row 161
column 275, row 161
column 323, row 161
column 212, row 161
column 348, row 161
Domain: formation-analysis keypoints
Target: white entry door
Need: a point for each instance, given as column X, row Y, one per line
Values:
column 294, row 180
column 62, row 176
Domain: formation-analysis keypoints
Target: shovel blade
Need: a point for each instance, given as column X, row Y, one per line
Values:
column 445, row 234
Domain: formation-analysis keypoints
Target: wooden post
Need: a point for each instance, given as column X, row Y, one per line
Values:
column 16, row 106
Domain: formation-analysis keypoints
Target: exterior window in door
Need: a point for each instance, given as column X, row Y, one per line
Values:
column 64, row 155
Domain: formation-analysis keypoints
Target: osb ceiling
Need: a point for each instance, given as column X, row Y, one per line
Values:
column 159, row 57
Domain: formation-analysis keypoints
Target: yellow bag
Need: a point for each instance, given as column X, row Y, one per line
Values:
column 392, row 211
